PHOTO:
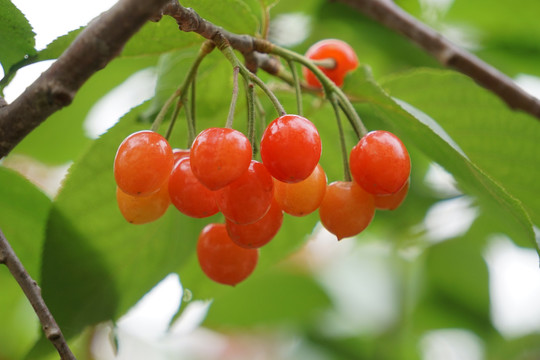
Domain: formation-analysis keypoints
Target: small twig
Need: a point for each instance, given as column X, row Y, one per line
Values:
column 33, row 293
column 250, row 98
column 393, row 17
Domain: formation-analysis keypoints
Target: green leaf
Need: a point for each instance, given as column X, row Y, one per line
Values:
column 236, row 16
column 23, row 215
column 16, row 36
column 276, row 297
column 429, row 137
column 65, row 128
column 95, row 264
column 502, row 142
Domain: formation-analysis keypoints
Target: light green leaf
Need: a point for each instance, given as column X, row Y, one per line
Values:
column 236, row 16
column 16, row 36
column 64, row 128
column 473, row 179
column 276, row 297
column 502, row 142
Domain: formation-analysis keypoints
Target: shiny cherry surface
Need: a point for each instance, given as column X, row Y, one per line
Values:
column 219, row 156
column 259, row 233
column 341, row 52
column 221, row 259
column 392, row 201
column 249, row 197
column 143, row 163
column 187, row 193
column 291, row 148
column 304, row 197
column 143, row 209
column 380, row 163
column 346, row 209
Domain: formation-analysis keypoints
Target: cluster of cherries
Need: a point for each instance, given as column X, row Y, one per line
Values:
column 218, row 174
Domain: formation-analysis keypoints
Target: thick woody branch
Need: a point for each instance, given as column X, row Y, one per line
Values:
column 96, row 46
column 33, row 293
column 392, row 16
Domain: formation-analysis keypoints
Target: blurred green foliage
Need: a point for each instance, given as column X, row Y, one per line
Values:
column 93, row 266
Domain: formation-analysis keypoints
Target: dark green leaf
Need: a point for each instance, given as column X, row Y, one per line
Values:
column 16, row 36
column 23, row 215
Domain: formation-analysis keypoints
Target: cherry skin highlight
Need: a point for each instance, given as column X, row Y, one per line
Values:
column 259, row 233
column 143, row 163
column 143, row 209
column 221, row 259
column 248, row 198
column 346, row 209
column 304, row 197
column 187, row 193
column 380, row 163
column 291, row 148
column 219, row 156
column 341, row 52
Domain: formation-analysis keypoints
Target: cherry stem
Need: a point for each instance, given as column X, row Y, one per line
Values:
column 344, row 153
column 223, row 45
column 206, row 48
column 328, row 86
column 297, row 88
column 250, row 95
column 234, row 98
column 328, row 63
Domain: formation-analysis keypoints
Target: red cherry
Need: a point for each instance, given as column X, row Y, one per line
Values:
column 303, row 197
column 259, row 233
column 180, row 154
column 392, row 201
column 143, row 209
column 291, row 148
column 143, row 163
column 249, row 197
column 341, row 52
column 188, row 194
column 219, row 156
column 346, row 209
column 221, row 259
column 380, row 163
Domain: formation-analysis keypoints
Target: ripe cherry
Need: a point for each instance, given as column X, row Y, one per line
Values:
column 291, row 148
column 143, row 163
column 180, row 154
column 249, row 197
column 221, row 259
column 346, row 209
column 303, row 197
column 380, row 163
column 219, row 156
column 341, row 52
column 392, row 201
column 259, row 233
column 188, row 194
column 143, row 209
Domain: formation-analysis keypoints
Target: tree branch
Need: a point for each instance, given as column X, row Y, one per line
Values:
column 33, row 293
column 95, row 47
column 393, row 17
